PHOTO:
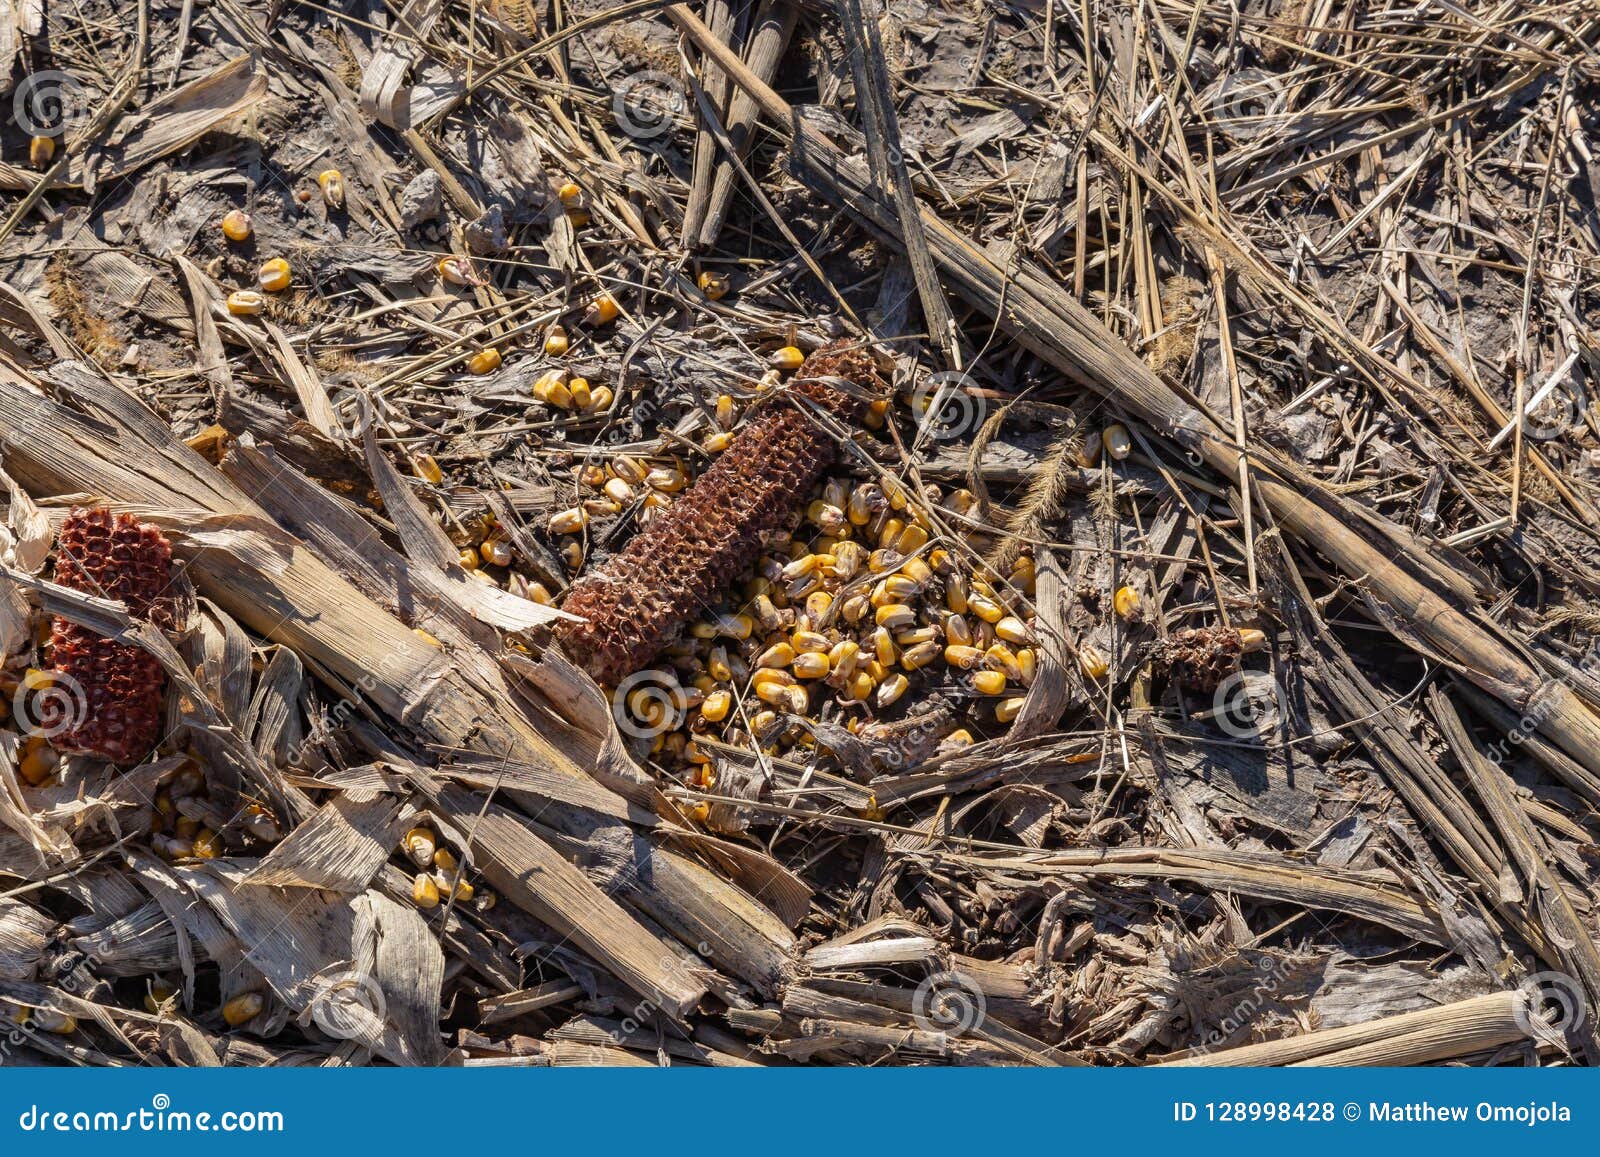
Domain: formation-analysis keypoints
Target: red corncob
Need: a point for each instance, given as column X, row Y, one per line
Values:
column 672, row 571
column 118, row 715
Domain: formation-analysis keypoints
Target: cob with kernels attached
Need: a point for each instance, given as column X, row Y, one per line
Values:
column 677, row 567
column 112, row 556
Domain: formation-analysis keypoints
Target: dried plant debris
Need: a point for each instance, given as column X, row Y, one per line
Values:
column 1098, row 567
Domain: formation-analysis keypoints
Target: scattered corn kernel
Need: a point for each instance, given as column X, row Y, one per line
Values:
column 1091, row 662
column 236, row 225
column 891, row 689
column 41, row 151
column 274, row 275
column 1126, row 603
column 989, row 682
column 714, row 285
column 485, row 361
column 331, row 182
column 1118, row 442
column 602, row 310
column 1007, row 710
column 246, row 303
column 568, row 521
column 243, row 1008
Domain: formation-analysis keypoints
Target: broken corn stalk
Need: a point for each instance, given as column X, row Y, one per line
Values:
column 677, row 567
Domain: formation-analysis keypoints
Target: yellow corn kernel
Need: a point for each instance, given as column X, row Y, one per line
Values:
column 809, row 642
column 1091, row 662
column 1013, row 630
column 829, row 518
column 955, row 594
column 1118, row 442
column 918, row 656
column 1088, row 448
column 985, row 607
column 961, row 738
column 800, row 567
column 916, row 636
column 891, row 689
column 788, row 358
column 865, row 501
column 555, row 340
column 236, row 225
column 457, row 271
column 855, row 608
column 485, row 361
column 1008, row 709
column 957, row 632
column 989, row 682
column 629, row 469
column 960, row 501
column 468, row 558
column 1251, row 639
column 545, row 382
column 963, row 657
column 1001, row 658
column 420, row 844
column 600, row 400
column 889, row 532
column 718, row 442
column 842, row 657
column 858, row 686
column 875, row 669
column 735, row 626
column 41, row 151
column 602, row 310
column 570, row 194
column 770, row 691
column 495, row 552
column 725, row 410
column 274, row 275
column 426, row 467
column 243, row 1008
column 38, row 761
column 618, row 491
column 572, row 555
column 667, row 479
column 714, row 285
column 940, row 561
column 1126, row 603
column 186, row 828
column 895, row 616
column 918, row 572
column 159, row 995
column 811, row 665
column 245, row 303
column 331, row 182
column 910, row 540
column 558, row 394
column 1027, row 664
column 715, row 708
column 424, row 892
column 896, row 588
column 847, row 558
column 568, row 521
column 765, row 614
column 717, row 664
column 883, row 648
column 899, row 498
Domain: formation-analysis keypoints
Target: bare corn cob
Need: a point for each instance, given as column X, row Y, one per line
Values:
column 116, row 557
column 639, row 601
